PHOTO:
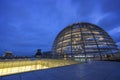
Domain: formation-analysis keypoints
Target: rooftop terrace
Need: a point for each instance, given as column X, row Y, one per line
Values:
column 93, row 70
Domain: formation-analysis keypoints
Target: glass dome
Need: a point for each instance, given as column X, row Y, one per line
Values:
column 83, row 40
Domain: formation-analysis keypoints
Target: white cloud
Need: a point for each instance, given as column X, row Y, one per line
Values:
column 97, row 14
column 118, row 43
column 114, row 31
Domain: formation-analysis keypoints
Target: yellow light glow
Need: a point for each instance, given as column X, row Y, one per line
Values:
column 13, row 67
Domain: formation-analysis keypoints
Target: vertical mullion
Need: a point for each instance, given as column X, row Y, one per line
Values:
column 96, row 43
column 83, row 43
column 71, row 43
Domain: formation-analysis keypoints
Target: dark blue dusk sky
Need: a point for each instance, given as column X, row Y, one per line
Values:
column 26, row 25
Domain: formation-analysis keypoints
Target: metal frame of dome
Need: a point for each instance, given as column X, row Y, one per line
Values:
column 83, row 40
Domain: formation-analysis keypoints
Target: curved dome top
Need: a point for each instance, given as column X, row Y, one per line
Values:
column 83, row 39
column 79, row 25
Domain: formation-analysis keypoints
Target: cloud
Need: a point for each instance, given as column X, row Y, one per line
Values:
column 115, row 31
column 115, row 34
column 118, row 43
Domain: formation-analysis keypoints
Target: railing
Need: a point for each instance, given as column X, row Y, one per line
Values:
column 8, row 67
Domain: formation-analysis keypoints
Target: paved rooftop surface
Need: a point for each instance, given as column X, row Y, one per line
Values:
column 96, row 70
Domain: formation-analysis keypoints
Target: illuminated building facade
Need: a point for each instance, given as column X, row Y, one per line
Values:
column 83, row 40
